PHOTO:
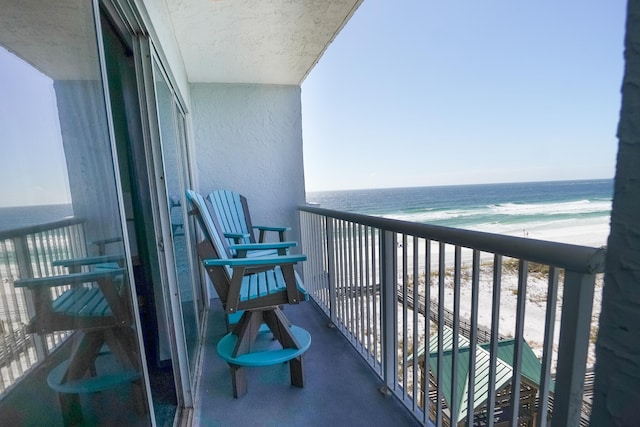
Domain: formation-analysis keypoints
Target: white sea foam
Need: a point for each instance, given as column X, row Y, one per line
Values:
column 509, row 217
column 573, row 207
column 432, row 215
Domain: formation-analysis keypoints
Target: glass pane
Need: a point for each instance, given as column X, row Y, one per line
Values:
column 176, row 178
column 66, row 308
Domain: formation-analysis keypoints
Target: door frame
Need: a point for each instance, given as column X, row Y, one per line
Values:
column 129, row 23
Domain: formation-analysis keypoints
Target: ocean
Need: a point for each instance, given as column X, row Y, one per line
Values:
column 22, row 216
column 568, row 211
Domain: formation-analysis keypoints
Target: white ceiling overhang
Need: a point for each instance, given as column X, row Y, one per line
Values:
column 225, row 41
column 255, row 41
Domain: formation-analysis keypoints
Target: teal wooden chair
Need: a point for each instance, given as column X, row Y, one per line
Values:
column 93, row 301
column 232, row 212
column 257, row 286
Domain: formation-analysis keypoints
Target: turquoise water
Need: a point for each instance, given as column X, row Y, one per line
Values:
column 486, row 207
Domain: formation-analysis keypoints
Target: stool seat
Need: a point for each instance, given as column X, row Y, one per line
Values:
column 262, row 356
column 91, row 384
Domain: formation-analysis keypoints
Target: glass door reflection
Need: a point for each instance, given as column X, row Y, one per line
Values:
column 176, row 174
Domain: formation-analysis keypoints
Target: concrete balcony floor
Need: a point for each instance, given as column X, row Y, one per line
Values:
column 340, row 388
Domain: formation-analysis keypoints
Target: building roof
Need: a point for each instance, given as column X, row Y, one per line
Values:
column 531, row 369
column 504, row 372
column 531, row 366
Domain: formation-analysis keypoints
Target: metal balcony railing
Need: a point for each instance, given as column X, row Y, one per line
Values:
column 28, row 252
column 447, row 318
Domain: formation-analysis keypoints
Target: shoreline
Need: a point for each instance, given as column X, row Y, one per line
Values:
column 590, row 233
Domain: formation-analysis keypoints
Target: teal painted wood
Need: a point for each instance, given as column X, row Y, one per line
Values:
column 234, row 318
column 233, row 216
column 253, row 285
column 263, row 246
column 249, row 262
column 208, row 227
column 81, row 301
column 89, row 384
column 227, row 205
column 102, row 260
column 68, row 279
column 265, row 283
column 270, row 228
column 263, row 355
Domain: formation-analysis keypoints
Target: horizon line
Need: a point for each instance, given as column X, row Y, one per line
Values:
column 459, row 185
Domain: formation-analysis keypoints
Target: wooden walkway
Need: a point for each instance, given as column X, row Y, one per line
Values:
column 484, row 334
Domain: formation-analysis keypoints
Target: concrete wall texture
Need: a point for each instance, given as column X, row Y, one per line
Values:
column 248, row 138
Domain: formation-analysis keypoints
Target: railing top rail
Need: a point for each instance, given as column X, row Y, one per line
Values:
column 581, row 259
column 37, row 228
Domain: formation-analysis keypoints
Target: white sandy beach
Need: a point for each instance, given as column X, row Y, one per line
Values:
column 585, row 233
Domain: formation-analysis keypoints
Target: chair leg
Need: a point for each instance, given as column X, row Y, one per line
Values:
column 138, row 396
column 246, row 330
column 238, row 380
column 296, row 372
column 280, row 327
column 71, row 409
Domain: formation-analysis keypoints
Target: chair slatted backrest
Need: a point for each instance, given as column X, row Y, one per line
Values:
column 82, row 305
column 230, row 208
column 208, row 227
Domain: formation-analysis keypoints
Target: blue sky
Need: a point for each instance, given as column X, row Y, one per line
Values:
column 415, row 93
column 410, row 93
column 27, row 142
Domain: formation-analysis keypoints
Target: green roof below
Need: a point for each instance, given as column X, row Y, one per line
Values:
column 531, row 369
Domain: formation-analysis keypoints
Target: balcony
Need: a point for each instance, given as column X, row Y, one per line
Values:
column 378, row 355
column 361, row 274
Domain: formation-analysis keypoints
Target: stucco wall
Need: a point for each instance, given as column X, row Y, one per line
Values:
column 248, row 138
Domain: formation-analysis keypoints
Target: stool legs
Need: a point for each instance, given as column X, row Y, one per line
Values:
column 238, row 380
column 71, row 409
column 247, row 330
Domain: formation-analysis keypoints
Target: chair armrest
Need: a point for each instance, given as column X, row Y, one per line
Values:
column 269, row 228
column 237, row 237
column 67, row 279
column 249, row 262
column 263, row 246
column 242, row 249
column 77, row 262
column 106, row 241
column 263, row 232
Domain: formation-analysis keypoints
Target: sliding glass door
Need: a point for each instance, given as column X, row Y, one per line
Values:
column 65, row 234
column 171, row 119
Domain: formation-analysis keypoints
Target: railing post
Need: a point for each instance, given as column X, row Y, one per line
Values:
column 25, row 270
column 575, row 328
column 388, row 292
column 331, row 266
